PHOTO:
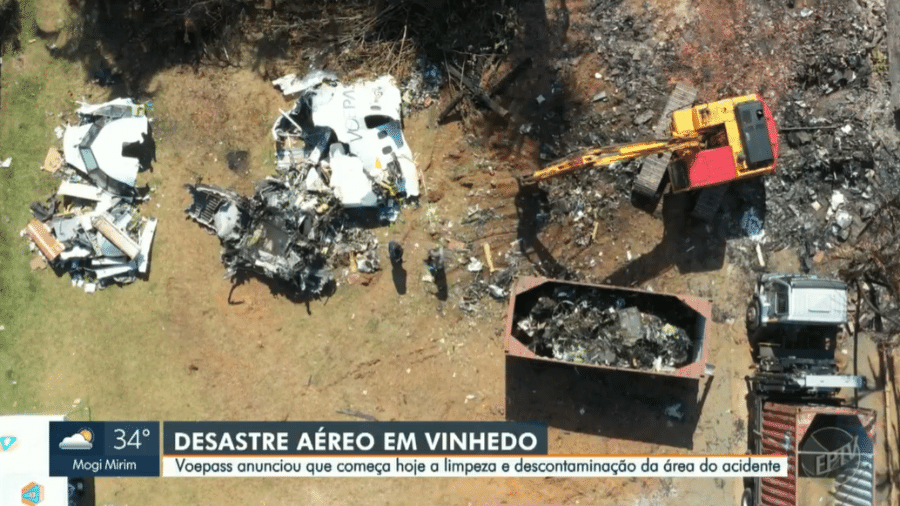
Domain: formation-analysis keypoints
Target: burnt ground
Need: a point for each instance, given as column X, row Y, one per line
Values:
column 414, row 357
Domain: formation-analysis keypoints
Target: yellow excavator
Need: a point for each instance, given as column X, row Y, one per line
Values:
column 713, row 144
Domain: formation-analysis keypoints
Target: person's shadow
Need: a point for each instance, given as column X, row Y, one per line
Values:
column 398, row 273
column 440, row 280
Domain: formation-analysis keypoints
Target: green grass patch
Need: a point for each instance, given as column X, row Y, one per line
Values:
column 35, row 88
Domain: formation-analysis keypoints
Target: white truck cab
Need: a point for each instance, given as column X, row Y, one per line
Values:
column 799, row 300
column 25, row 464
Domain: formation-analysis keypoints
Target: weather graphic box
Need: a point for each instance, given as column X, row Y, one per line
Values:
column 86, row 449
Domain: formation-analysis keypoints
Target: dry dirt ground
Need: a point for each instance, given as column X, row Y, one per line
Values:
column 369, row 349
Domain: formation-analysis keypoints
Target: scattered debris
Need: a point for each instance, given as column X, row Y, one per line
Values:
column 278, row 233
column 340, row 152
column 496, row 285
column 351, row 137
column 423, row 86
column 91, row 227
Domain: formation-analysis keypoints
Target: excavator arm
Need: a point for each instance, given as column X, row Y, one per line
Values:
column 602, row 157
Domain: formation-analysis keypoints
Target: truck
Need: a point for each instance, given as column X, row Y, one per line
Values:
column 24, row 465
column 793, row 321
column 609, row 327
column 796, row 299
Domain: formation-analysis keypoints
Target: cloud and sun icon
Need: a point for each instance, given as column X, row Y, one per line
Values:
column 81, row 440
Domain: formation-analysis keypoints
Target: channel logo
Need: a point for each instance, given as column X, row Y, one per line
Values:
column 8, row 443
column 32, row 494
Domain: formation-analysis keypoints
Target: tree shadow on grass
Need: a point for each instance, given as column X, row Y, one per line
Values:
column 123, row 44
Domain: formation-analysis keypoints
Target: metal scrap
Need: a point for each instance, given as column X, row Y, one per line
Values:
column 91, row 227
column 340, row 155
column 587, row 327
column 351, row 136
column 283, row 233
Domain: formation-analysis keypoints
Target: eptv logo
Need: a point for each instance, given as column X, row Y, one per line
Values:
column 8, row 443
column 32, row 494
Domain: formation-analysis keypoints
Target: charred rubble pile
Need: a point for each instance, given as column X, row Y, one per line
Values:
column 872, row 268
column 629, row 63
column 832, row 158
column 342, row 167
column 827, row 176
column 494, row 284
column 582, row 326
column 423, row 86
column 280, row 233
column 91, row 227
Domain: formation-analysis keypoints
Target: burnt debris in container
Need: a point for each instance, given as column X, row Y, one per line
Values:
column 578, row 325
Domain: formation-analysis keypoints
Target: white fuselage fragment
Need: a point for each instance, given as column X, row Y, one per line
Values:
column 147, row 234
column 366, row 117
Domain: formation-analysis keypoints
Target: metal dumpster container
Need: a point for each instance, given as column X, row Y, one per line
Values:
column 690, row 313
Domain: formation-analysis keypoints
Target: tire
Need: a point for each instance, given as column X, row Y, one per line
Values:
column 753, row 315
column 747, row 497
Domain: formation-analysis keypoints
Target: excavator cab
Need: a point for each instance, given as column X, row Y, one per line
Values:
column 751, row 119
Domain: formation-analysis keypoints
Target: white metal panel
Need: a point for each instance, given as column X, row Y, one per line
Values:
column 71, row 139
column 146, row 242
column 107, row 148
column 81, row 191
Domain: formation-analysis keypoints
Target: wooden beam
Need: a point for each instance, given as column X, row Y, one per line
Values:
column 496, row 89
column 478, row 92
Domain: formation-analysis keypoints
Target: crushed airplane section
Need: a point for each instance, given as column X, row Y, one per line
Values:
column 91, row 227
column 352, row 136
column 341, row 161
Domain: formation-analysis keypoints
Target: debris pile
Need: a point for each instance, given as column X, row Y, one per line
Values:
column 495, row 284
column 271, row 234
column 422, row 88
column 91, row 227
column 588, row 327
column 342, row 163
column 348, row 140
column 832, row 110
column 873, row 268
